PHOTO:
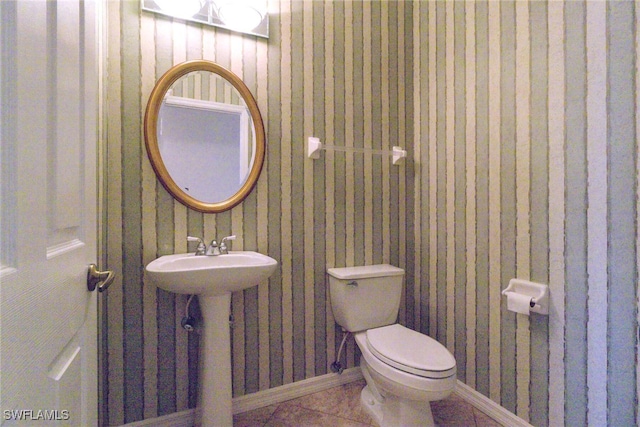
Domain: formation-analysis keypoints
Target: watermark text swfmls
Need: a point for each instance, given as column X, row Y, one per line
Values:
column 36, row 415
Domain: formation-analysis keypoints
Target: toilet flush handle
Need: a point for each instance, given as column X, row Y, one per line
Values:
column 353, row 284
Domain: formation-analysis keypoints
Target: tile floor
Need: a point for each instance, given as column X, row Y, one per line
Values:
column 340, row 406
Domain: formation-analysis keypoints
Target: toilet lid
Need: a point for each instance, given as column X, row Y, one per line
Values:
column 411, row 351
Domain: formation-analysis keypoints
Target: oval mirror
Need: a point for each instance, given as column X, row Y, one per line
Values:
column 204, row 136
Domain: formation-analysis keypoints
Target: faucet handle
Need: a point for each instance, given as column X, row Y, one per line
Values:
column 223, row 244
column 201, row 248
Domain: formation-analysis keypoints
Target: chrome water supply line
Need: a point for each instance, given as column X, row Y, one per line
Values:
column 188, row 322
column 337, row 366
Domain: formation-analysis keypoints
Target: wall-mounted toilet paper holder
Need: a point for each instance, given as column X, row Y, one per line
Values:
column 538, row 292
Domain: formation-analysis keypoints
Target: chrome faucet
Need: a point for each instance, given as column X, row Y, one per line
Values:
column 213, row 249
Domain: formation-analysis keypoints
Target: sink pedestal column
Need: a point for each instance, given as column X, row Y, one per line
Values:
column 215, row 361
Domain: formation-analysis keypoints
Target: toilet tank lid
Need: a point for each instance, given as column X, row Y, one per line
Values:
column 365, row 271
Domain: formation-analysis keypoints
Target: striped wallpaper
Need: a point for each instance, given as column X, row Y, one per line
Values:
column 520, row 122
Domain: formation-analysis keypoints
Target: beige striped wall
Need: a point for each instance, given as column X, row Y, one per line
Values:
column 519, row 119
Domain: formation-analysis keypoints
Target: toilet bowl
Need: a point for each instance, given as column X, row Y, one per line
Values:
column 404, row 369
column 406, row 378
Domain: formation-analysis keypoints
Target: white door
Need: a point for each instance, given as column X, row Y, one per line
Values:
column 49, row 91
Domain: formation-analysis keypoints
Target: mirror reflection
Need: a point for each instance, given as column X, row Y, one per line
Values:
column 204, row 136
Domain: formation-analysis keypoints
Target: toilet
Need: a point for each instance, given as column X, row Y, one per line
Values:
column 404, row 369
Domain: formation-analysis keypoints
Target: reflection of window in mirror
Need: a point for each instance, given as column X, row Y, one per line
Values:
column 216, row 137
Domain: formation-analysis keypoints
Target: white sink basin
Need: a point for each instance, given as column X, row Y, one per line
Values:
column 210, row 275
column 213, row 279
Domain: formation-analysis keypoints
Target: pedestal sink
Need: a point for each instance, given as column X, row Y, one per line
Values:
column 213, row 279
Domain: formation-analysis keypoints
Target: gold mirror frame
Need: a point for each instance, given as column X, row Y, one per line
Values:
column 151, row 138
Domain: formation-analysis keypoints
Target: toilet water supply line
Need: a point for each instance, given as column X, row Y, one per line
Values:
column 337, row 366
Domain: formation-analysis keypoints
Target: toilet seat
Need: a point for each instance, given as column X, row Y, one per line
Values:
column 411, row 352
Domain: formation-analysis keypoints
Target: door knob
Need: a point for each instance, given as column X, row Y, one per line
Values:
column 99, row 279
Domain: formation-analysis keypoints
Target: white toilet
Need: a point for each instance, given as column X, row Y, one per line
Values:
column 404, row 369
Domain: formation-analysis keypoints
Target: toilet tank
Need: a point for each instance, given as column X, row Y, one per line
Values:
column 365, row 297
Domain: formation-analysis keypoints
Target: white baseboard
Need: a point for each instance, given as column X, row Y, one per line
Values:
column 179, row 419
column 259, row 399
column 286, row 392
column 489, row 407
